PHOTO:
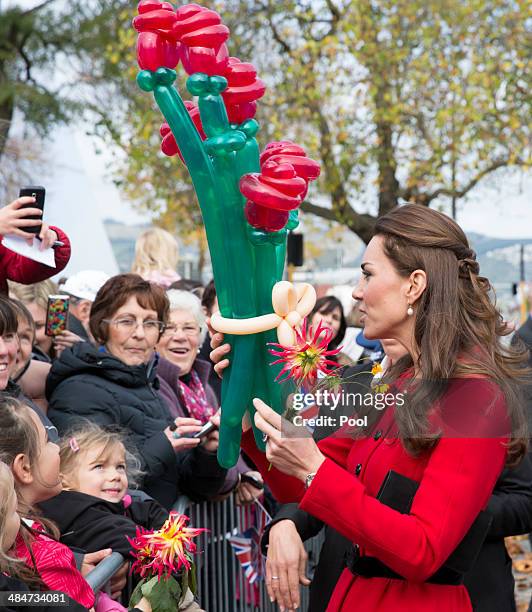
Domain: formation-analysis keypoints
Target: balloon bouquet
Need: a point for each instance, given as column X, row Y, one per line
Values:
column 248, row 200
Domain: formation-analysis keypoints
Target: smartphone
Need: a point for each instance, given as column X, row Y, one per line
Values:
column 204, row 431
column 38, row 193
column 57, row 314
column 254, row 482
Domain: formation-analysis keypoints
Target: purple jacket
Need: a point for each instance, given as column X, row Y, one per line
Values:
column 168, row 375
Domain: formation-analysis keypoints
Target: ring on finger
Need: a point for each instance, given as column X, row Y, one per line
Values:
column 265, row 437
column 176, row 435
column 275, row 577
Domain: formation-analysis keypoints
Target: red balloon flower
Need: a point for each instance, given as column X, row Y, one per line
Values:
column 202, row 36
column 271, row 195
column 169, row 145
column 243, row 89
column 287, row 152
column 156, row 46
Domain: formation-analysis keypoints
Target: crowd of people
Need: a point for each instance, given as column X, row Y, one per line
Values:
column 97, row 424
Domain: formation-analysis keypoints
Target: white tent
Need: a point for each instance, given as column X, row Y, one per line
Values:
column 72, row 203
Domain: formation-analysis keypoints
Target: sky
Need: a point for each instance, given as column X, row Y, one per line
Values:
column 501, row 206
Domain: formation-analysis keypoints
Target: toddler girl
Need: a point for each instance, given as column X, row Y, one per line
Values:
column 94, row 510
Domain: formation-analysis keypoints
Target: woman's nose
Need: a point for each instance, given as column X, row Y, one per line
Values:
column 357, row 291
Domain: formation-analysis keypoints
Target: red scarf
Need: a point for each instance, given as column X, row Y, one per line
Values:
column 195, row 398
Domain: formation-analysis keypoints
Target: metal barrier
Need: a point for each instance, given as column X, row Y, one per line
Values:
column 222, row 586
column 104, row 571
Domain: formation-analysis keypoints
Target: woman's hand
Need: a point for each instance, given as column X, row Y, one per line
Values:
column 144, row 605
column 47, row 236
column 65, row 340
column 285, row 565
column 294, row 452
column 183, row 426
column 119, row 580
column 246, row 493
column 91, row 560
column 219, row 353
column 13, row 218
column 210, row 442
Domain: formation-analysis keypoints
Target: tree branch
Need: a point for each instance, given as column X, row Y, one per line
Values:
column 501, row 163
column 361, row 224
column 276, row 36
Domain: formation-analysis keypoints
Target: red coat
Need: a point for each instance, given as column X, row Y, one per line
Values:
column 456, row 480
column 56, row 566
column 15, row 267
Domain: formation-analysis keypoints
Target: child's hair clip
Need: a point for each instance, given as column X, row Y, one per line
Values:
column 73, row 443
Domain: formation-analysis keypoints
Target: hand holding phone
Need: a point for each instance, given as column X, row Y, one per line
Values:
column 38, row 193
column 57, row 314
column 16, row 217
column 254, row 482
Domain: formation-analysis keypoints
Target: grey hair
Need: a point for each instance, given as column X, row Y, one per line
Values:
column 184, row 300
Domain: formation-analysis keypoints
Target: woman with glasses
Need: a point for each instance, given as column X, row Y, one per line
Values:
column 115, row 384
column 184, row 378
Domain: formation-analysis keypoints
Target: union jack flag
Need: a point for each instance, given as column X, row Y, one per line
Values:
column 246, row 546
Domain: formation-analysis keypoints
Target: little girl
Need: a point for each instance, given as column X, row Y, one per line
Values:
column 34, row 462
column 15, row 576
column 94, row 510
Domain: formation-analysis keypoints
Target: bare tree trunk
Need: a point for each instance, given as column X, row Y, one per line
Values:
column 7, row 108
column 387, row 165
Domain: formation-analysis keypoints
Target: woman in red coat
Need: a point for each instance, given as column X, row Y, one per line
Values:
column 451, row 437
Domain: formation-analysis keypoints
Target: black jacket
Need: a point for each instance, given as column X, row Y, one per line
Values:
column 88, row 384
column 92, row 524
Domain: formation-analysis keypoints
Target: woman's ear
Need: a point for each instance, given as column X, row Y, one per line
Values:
column 418, row 284
column 21, row 469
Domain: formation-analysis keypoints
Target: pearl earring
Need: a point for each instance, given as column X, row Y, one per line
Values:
column 410, row 310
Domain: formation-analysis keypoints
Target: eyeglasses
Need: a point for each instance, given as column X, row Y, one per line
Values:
column 128, row 324
column 188, row 329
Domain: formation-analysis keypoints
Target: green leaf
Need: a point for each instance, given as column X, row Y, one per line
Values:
column 164, row 595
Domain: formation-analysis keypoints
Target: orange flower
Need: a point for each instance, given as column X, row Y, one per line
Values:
column 165, row 551
column 307, row 357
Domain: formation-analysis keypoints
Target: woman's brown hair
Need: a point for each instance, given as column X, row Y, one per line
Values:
column 116, row 292
column 458, row 329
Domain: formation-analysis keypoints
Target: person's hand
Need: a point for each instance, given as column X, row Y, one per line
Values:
column 246, row 493
column 210, row 442
column 119, row 580
column 47, row 236
column 13, row 218
column 91, row 560
column 286, row 565
column 64, row 340
column 144, row 605
column 219, row 353
column 184, row 426
column 294, row 452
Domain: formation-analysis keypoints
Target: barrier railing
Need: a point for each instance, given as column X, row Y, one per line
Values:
column 222, row 586
column 104, row 571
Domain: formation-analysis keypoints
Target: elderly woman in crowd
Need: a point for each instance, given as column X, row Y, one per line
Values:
column 116, row 383
column 184, row 376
